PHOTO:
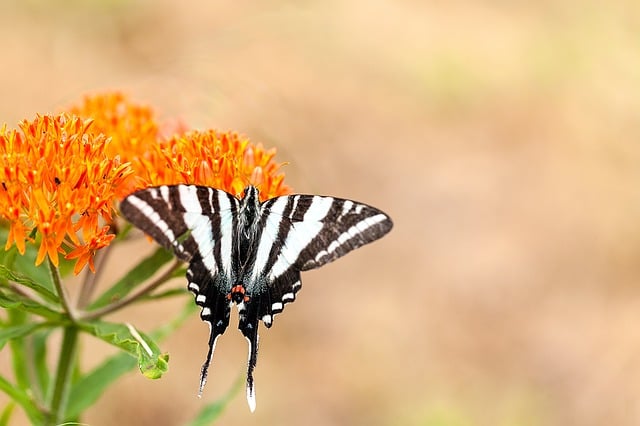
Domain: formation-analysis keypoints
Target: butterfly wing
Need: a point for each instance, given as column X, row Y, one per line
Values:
column 302, row 232
column 197, row 224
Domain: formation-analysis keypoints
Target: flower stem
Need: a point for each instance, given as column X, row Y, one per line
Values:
column 63, row 376
column 89, row 283
column 91, row 315
column 62, row 293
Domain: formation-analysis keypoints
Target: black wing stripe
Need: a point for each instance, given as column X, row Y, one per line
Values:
column 142, row 210
column 277, row 216
column 356, row 236
column 301, row 233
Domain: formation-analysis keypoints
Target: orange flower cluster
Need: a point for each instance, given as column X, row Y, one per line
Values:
column 219, row 160
column 62, row 175
column 57, row 177
column 222, row 160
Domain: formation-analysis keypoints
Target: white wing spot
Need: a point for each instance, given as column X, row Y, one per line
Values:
column 205, row 312
column 194, row 287
column 201, row 298
column 346, row 207
column 277, row 306
column 288, row 296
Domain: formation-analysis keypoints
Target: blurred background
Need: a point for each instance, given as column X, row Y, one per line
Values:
column 502, row 138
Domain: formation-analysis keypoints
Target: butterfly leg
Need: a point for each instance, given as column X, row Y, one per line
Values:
column 249, row 328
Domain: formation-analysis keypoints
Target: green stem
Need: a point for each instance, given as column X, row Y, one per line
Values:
column 90, row 280
column 88, row 316
column 62, row 384
column 62, row 293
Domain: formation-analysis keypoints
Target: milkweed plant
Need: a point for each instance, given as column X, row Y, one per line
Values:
column 62, row 176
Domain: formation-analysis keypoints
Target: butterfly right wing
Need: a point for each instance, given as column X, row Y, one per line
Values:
column 197, row 223
column 302, row 232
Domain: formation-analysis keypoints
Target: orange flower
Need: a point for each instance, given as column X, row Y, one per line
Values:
column 219, row 159
column 132, row 128
column 57, row 178
column 85, row 253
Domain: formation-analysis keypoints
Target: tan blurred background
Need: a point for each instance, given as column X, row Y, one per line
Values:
column 502, row 137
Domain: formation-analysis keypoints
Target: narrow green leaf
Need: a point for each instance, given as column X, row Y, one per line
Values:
column 39, row 356
column 133, row 278
column 170, row 293
column 17, row 331
column 187, row 311
column 18, row 349
column 87, row 391
column 13, row 301
column 6, row 414
column 19, row 396
column 17, row 277
column 211, row 412
column 89, row 388
column 152, row 363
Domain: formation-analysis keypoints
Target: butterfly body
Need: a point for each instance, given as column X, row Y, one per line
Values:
column 249, row 253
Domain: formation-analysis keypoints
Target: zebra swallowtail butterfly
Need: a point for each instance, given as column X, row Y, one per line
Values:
column 249, row 253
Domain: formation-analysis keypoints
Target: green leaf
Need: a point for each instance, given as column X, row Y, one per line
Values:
column 170, row 293
column 24, row 264
column 152, row 363
column 189, row 309
column 6, row 414
column 17, row 331
column 20, row 397
column 18, row 349
column 89, row 388
column 13, row 301
column 211, row 412
column 133, row 278
column 39, row 349
column 16, row 277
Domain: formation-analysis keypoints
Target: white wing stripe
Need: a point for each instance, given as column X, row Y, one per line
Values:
column 189, row 198
column 352, row 232
column 319, row 208
column 153, row 217
column 226, row 232
column 200, row 227
column 301, row 234
column 164, row 193
column 268, row 234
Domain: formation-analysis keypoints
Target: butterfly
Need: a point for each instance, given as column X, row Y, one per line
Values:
column 249, row 253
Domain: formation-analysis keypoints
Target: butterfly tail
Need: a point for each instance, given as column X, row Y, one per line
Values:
column 249, row 328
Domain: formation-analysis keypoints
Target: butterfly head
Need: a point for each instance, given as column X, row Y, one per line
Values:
column 250, row 193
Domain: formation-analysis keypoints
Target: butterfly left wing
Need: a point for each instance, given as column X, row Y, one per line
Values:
column 197, row 224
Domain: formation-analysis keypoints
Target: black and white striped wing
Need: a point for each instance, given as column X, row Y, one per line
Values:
column 303, row 232
column 197, row 223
